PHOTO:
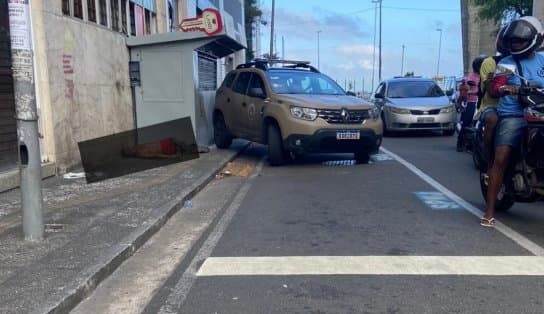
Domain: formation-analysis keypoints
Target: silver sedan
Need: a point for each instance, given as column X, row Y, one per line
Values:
column 414, row 104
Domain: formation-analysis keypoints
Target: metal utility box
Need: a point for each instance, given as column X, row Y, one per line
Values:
column 173, row 76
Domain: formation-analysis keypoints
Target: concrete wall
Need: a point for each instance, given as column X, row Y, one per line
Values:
column 82, row 77
column 478, row 36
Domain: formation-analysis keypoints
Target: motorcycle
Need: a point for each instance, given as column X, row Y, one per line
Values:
column 523, row 179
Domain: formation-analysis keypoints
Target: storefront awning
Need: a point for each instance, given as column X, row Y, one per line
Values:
column 219, row 45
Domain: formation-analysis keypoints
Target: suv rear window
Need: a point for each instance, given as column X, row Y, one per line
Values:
column 229, row 79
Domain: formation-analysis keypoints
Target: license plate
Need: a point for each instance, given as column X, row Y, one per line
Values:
column 425, row 119
column 347, row 135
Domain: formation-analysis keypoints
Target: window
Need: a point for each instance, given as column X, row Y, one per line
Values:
column 78, row 9
column 241, row 83
column 91, row 10
column 103, row 12
column 124, row 28
column 229, row 79
column 147, row 22
column 132, row 19
column 66, row 7
column 114, row 15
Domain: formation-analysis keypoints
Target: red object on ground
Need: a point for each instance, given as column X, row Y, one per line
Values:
column 168, row 147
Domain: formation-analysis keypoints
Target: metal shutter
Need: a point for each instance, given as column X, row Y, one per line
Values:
column 207, row 72
column 8, row 125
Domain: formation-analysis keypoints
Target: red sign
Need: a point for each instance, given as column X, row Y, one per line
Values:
column 209, row 22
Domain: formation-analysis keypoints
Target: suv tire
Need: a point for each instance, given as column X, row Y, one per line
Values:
column 361, row 157
column 221, row 135
column 276, row 153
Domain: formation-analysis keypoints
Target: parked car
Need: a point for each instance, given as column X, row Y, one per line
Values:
column 414, row 103
column 294, row 109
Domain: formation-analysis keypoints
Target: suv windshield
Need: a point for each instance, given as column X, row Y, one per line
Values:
column 302, row 82
column 410, row 89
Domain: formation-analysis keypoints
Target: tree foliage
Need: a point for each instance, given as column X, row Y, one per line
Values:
column 252, row 13
column 499, row 11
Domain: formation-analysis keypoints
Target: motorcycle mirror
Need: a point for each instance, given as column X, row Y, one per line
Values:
column 505, row 69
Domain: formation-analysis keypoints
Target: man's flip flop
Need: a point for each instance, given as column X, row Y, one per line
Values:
column 487, row 222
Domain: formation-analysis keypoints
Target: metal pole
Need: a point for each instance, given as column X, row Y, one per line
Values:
column 318, row 65
column 380, row 47
column 282, row 47
column 374, row 45
column 272, row 31
column 27, row 119
column 402, row 62
column 439, row 48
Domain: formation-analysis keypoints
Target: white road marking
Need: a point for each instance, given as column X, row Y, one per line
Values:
column 374, row 265
column 183, row 286
column 507, row 231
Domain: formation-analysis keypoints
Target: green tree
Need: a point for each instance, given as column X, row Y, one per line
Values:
column 499, row 11
column 252, row 15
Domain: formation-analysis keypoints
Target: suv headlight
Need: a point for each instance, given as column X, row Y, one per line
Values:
column 399, row 110
column 447, row 109
column 303, row 113
column 374, row 113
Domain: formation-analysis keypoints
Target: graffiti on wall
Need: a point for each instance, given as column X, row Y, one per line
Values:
column 68, row 65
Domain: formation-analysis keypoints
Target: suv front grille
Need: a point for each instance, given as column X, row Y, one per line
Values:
column 334, row 116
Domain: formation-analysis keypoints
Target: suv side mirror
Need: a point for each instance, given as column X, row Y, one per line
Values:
column 257, row 92
column 350, row 93
column 449, row 92
column 378, row 95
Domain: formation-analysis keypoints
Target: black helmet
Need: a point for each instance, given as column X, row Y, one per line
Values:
column 526, row 31
column 477, row 63
column 499, row 42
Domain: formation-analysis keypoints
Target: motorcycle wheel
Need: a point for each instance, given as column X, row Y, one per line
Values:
column 504, row 200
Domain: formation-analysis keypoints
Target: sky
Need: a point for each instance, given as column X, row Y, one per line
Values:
column 348, row 34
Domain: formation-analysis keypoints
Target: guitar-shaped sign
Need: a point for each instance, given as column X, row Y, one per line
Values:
column 209, row 22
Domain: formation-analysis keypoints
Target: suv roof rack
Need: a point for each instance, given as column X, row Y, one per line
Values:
column 264, row 64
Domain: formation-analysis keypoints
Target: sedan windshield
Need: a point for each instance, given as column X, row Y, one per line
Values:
column 411, row 89
column 302, row 82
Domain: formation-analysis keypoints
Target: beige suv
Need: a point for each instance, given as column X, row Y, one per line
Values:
column 294, row 109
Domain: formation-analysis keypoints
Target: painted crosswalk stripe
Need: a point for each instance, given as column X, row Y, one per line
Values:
column 373, row 265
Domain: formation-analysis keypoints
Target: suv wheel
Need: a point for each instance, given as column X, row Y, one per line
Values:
column 221, row 134
column 361, row 157
column 276, row 154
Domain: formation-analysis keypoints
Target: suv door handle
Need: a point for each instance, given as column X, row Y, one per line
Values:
column 244, row 104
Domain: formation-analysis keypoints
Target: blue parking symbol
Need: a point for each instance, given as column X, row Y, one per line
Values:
column 437, row 201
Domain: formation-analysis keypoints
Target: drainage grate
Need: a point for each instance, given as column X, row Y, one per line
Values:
column 53, row 227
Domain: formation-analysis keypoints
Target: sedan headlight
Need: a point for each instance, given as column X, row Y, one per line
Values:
column 374, row 113
column 399, row 110
column 303, row 113
column 449, row 109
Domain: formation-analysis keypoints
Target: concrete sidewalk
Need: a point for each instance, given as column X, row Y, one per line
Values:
column 90, row 230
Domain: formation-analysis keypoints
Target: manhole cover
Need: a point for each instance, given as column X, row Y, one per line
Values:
column 53, row 227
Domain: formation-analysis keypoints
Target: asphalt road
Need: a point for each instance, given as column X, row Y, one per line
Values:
column 323, row 235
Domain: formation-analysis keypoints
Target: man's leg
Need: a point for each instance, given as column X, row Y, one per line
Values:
column 496, row 174
column 466, row 121
column 491, row 120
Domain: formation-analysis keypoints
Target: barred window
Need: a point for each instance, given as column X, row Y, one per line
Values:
column 66, row 7
column 103, row 12
column 91, row 10
column 124, row 26
column 78, row 9
column 115, row 15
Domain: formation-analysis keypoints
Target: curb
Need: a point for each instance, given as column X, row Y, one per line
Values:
column 114, row 257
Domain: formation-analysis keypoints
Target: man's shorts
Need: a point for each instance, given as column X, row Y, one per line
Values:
column 510, row 131
column 487, row 112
